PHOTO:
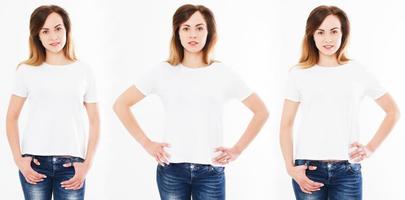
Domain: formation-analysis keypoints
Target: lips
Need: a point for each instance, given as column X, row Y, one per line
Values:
column 192, row 43
column 328, row 46
column 54, row 44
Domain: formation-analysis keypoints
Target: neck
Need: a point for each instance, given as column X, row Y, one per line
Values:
column 328, row 60
column 56, row 58
column 193, row 60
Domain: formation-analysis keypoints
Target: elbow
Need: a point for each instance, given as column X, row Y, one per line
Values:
column 263, row 114
column 397, row 114
column 116, row 107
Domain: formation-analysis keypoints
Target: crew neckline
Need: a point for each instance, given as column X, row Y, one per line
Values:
column 332, row 67
column 59, row 66
column 208, row 67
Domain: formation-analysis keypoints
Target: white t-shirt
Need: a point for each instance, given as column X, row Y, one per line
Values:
column 56, row 121
column 193, row 99
column 329, row 102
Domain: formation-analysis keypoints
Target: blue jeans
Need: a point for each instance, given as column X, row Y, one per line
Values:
column 342, row 180
column 181, row 181
column 52, row 167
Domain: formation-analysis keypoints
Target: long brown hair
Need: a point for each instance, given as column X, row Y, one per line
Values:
column 181, row 15
column 37, row 50
column 310, row 53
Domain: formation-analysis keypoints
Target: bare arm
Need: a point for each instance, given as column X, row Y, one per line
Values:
column 94, row 131
column 298, row 173
column 286, row 125
column 122, row 109
column 24, row 164
column 387, row 103
column 260, row 115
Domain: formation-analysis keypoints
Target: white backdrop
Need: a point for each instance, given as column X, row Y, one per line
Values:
column 258, row 39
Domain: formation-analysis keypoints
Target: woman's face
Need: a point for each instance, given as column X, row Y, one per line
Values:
column 53, row 33
column 193, row 33
column 328, row 36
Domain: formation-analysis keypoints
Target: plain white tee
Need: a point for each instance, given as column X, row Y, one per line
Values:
column 329, row 99
column 56, row 118
column 193, row 99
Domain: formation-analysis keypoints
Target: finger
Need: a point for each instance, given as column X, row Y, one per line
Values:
column 355, row 144
column 70, row 181
column 221, row 157
column 357, row 153
column 30, row 182
column 304, row 190
column 358, row 159
column 67, row 164
column 37, row 175
column 220, row 149
column 158, row 160
column 164, row 144
column 312, row 168
column 36, row 162
column 34, row 179
column 313, row 184
column 162, row 157
column 70, row 184
column 74, row 186
column 167, row 155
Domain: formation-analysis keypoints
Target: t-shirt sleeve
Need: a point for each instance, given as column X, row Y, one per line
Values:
column 91, row 90
column 147, row 83
column 373, row 88
column 238, row 89
column 19, row 87
column 291, row 91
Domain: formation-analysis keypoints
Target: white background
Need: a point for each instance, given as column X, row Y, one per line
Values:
column 258, row 39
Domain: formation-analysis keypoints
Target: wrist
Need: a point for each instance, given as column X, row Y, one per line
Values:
column 238, row 149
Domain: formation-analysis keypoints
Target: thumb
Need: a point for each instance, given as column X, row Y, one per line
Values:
column 312, row 168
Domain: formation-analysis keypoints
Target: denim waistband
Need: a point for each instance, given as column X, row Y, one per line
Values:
column 321, row 162
column 55, row 159
column 193, row 165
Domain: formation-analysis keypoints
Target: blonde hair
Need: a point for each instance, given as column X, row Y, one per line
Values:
column 310, row 53
column 37, row 54
column 181, row 15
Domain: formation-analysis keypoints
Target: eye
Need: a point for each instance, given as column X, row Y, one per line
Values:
column 58, row 29
column 45, row 32
column 200, row 28
column 319, row 33
column 335, row 32
column 185, row 29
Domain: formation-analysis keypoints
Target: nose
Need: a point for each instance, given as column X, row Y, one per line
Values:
column 193, row 34
column 53, row 35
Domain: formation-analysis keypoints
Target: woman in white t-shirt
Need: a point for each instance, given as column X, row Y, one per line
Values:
column 56, row 91
column 328, row 88
column 193, row 89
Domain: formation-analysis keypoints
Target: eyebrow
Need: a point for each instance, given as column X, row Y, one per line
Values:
column 200, row 24
column 53, row 27
column 330, row 29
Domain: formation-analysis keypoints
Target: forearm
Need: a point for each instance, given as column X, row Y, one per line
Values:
column 254, row 126
column 385, row 128
column 13, row 137
column 128, row 120
column 94, row 136
column 286, row 145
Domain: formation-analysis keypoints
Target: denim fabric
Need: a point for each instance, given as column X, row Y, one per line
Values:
column 52, row 167
column 181, row 181
column 342, row 180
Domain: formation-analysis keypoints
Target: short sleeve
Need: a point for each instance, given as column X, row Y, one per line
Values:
column 238, row 89
column 147, row 83
column 91, row 89
column 291, row 91
column 19, row 87
column 373, row 88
